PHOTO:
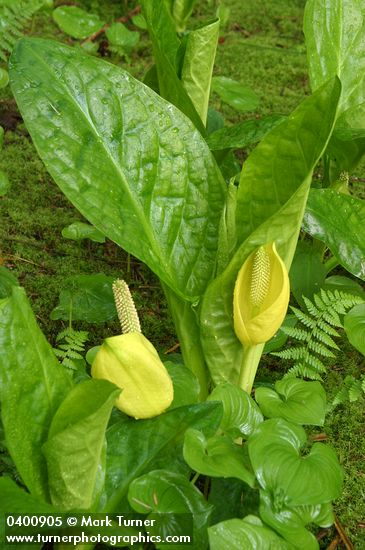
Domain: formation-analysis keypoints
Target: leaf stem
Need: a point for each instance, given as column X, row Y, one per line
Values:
column 250, row 362
column 331, row 264
column 187, row 329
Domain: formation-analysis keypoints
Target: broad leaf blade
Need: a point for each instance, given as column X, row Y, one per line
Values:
column 241, row 415
column 338, row 221
column 217, row 457
column 294, row 400
column 130, row 162
column 74, row 449
column 354, row 325
column 134, row 447
column 168, row 493
column 335, row 35
column 32, row 385
column 243, row 134
column 165, row 48
column 248, row 532
column 198, row 64
column 281, row 469
column 86, row 298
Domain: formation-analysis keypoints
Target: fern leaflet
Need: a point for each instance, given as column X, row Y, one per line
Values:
column 352, row 391
column 70, row 351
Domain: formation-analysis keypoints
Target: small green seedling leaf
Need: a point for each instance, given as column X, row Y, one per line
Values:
column 76, row 22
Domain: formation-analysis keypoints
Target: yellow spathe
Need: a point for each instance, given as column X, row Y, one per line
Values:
column 132, row 363
column 261, row 296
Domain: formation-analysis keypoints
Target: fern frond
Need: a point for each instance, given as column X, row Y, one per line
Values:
column 316, row 334
column 14, row 16
column 352, row 391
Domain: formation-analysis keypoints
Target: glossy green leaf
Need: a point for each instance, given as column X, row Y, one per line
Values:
column 121, row 37
column 165, row 492
column 241, row 415
column 282, row 470
column 235, row 94
column 232, row 498
column 32, row 385
column 344, row 284
column 86, row 298
column 108, row 141
column 294, row 400
column 307, row 272
column 1, row 137
column 344, row 154
column 335, row 34
column 4, row 78
column 217, row 456
column 7, row 281
column 76, row 22
column 243, row 133
column 279, row 339
column 78, row 230
column 4, row 183
column 338, row 221
column 291, row 522
column 354, row 325
column 135, row 447
column 248, row 532
column 75, row 450
column 15, row 500
column 270, row 203
column 186, row 385
column 166, row 44
column 197, row 69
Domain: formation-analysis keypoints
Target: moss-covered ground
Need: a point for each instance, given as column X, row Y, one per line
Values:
column 262, row 46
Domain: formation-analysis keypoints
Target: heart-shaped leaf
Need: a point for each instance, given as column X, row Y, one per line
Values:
column 217, row 457
column 282, row 469
column 354, row 325
column 294, row 400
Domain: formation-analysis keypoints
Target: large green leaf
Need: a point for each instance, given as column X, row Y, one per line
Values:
column 354, row 325
column 130, row 162
column 282, row 470
column 15, row 500
column 186, row 385
column 75, row 449
column 248, row 532
column 217, row 456
column 232, row 498
column 307, row 271
column 338, row 221
column 241, row 415
column 172, row 494
column 294, row 400
column 137, row 446
column 32, row 386
column 86, row 298
column 196, row 74
column 270, row 204
column 243, row 134
column 335, row 35
column 181, row 11
column 166, row 45
column 235, row 94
